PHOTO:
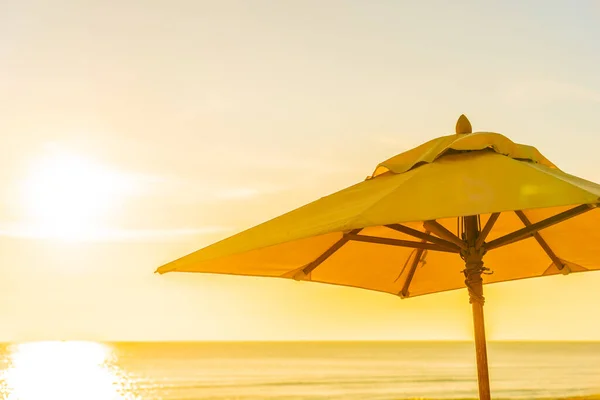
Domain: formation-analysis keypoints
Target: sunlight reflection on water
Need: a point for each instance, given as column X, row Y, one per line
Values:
column 63, row 371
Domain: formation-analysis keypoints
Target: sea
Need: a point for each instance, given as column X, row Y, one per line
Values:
column 294, row 370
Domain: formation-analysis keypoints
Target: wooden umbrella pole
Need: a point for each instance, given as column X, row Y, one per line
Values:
column 474, row 268
column 481, row 350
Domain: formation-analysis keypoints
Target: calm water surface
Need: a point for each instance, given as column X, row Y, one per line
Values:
column 317, row 370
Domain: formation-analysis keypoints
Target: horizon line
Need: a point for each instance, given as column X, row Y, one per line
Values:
column 234, row 341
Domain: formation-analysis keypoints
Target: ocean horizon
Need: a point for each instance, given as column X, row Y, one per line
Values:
column 296, row 370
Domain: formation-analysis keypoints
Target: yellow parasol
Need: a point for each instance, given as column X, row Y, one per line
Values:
column 423, row 222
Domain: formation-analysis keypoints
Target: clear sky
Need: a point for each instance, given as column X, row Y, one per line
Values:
column 134, row 132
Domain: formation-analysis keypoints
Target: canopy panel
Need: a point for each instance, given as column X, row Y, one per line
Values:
column 436, row 148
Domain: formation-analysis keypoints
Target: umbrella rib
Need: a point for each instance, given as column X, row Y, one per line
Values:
column 486, row 230
column 435, row 227
column 425, row 236
column 543, row 244
column 529, row 231
column 411, row 271
column 329, row 252
column 400, row 243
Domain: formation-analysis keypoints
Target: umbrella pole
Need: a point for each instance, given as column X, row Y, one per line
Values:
column 481, row 351
column 474, row 269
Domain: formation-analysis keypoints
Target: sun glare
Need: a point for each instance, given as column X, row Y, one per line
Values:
column 67, row 196
column 62, row 371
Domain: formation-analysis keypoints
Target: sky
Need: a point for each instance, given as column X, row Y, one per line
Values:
column 135, row 132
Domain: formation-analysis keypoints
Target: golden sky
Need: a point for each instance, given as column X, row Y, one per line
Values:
column 134, row 132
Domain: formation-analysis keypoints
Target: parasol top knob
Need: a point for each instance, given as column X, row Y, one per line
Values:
column 463, row 125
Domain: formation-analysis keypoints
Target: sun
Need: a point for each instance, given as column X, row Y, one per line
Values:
column 69, row 196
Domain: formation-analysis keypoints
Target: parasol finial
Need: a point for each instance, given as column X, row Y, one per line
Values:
column 463, row 125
